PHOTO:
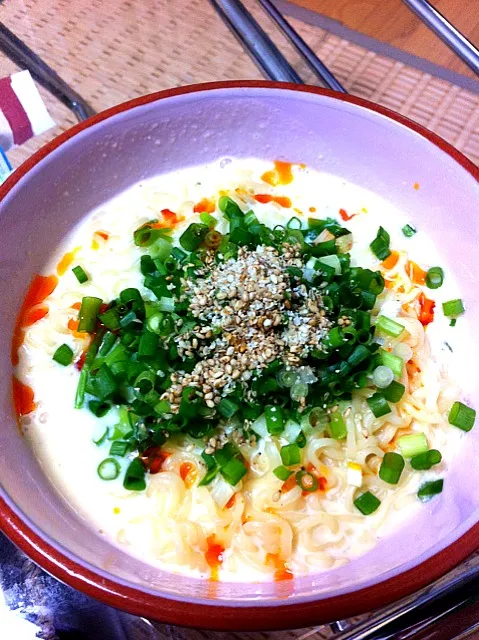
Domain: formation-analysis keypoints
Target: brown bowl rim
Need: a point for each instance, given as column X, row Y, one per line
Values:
column 220, row 616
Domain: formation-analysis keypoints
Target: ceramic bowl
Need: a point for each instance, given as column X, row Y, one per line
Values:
column 89, row 164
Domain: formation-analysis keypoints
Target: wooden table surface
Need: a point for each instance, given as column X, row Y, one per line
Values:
column 392, row 22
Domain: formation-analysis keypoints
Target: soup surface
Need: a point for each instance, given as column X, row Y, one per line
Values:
column 262, row 395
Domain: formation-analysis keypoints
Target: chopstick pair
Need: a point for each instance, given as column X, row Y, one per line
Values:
column 276, row 67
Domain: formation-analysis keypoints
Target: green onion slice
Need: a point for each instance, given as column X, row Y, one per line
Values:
column 63, row 355
column 378, row 405
column 412, row 445
column 306, row 481
column 430, row 489
column 367, row 503
column 87, row 316
column 453, row 308
column 274, row 419
column 135, row 476
column 408, row 230
column 426, row 460
column 80, row 274
column 392, row 466
column 380, row 245
column 282, row 473
column 434, row 278
column 108, row 469
column 233, row 471
column 290, row 454
column 462, row 416
column 389, row 326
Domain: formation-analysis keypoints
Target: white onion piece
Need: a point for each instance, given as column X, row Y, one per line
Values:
column 221, row 491
column 382, row 376
column 403, row 351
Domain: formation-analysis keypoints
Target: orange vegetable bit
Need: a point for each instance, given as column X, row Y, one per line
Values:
column 264, row 198
column 188, row 473
column 207, row 205
column 391, row 260
column 426, row 309
column 23, row 398
column 214, row 556
column 415, row 273
column 281, row 174
column 345, row 216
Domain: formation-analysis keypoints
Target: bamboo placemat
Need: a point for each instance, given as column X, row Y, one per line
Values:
column 116, row 50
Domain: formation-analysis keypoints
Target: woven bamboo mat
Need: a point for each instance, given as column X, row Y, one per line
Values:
column 111, row 51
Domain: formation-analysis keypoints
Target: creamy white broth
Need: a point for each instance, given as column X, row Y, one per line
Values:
column 168, row 527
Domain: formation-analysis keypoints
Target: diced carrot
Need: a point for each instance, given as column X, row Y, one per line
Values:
column 426, row 309
column 289, row 484
column 188, row 473
column 207, row 205
column 415, row 273
column 391, row 260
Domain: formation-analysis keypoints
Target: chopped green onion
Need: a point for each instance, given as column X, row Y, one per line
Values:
column 290, row 454
column 337, row 425
column 161, row 249
column 360, row 354
column 301, row 440
column 331, row 261
column 380, row 245
column 194, row 235
column 413, row 444
column 227, row 408
column 80, row 274
column 108, row 469
column 306, row 481
column 119, row 448
column 166, row 304
column 434, row 278
column 229, row 208
column 110, row 319
column 87, row 316
column 382, row 377
column 378, row 405
column 213, row 239
column 287, row 377
column 225, row 454
column 453, row 308
column 209, row 476
column 367, row 503
column 146, row 235
column 63, row 355
column 127, row 319
column 241, row 237
column 426, row 460
column 395, row 363
column 99, row 409
column 298, row 391
column 274, row 419
column 389, row 326
column 208, row 219
column 103, row 437
column 430, row 489
column 394, row 392
column 282, row 473
column 233, row 471
column 462, row 416
column 453, row 322
column 409, row 230
column 392, row 466
column 102, row 383
column 135, row 476
column 148, row 345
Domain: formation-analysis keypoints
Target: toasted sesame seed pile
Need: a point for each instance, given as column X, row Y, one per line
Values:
column 253, row 316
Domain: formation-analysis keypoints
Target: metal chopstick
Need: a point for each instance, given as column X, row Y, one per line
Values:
column 24, row 57
column 455, row 40
column 256, row 41
column 320, row 69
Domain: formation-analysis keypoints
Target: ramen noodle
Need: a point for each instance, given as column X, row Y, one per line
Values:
column 243, row 371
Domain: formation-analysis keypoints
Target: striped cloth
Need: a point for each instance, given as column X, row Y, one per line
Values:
column 22, row 111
